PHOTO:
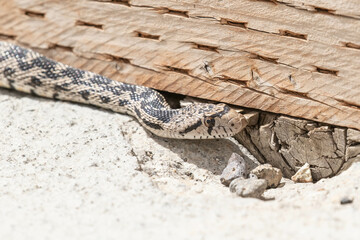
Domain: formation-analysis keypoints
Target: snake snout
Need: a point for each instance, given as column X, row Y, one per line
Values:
column 237, row 122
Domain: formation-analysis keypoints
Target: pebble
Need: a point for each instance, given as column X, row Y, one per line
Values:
column 271, row 174
column 346, row 200
column 251, row 175
column 253, row 188
column 235, row 168
column 303, row 175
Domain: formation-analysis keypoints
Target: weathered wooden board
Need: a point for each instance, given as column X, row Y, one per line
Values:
column 294, row 57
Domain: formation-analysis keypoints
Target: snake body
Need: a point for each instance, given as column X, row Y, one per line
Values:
column 27, row 71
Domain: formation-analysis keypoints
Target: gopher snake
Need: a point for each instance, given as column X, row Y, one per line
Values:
column 27, row 71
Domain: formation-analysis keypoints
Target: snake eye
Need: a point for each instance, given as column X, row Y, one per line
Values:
column 209, row 122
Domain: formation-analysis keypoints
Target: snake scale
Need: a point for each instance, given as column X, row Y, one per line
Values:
column 27, row 71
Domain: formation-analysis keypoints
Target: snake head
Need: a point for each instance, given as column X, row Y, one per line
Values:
column 211, row 121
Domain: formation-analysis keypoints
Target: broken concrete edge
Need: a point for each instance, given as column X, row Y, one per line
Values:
column 288, row 143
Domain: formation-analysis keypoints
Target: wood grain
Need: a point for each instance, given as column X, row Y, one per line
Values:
column 294, row 57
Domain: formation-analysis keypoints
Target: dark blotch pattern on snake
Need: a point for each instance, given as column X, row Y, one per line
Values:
column 24, row 70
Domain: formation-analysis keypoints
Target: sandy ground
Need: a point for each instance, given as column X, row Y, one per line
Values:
column 71, row 171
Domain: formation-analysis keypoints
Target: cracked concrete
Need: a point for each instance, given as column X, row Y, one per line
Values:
column 288, row 143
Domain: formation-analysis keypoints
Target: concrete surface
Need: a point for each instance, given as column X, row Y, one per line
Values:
column 71, row 171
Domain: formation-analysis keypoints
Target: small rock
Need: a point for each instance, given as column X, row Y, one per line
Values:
column 253, row 188
column 346, row 200
column 303, row 175
column 235, row 168
column 251, row 175
column 269, row 173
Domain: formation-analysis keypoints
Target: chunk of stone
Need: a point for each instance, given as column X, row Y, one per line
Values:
column 251, row 175
column 346, row 200
column 353, row 136
column 352, row 151
column 235, row 168
column 269, row 173
column 250, row 187
column 303, row 175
